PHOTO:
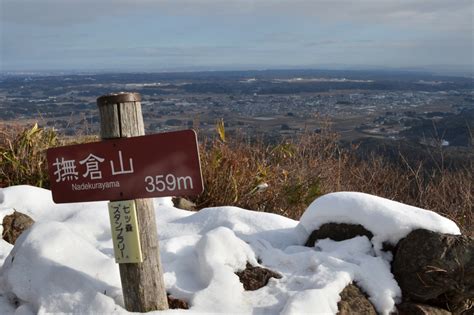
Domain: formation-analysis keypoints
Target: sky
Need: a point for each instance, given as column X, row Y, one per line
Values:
column 162, row 35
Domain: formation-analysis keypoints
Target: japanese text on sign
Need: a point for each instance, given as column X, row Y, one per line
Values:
column 65, row 170
column 125, row 236
column 121, row 169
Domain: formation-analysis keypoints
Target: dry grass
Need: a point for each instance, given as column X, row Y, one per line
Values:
column 282, row 179
column 448, row 192
column 299, row 170
column 22, row 155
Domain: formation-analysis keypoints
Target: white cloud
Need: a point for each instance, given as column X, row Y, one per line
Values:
column 423, row 31
column 437, row 14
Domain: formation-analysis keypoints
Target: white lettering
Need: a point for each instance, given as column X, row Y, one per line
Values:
column 95, row 186
column 122, row 169
column 92, row 164
column 168, row 182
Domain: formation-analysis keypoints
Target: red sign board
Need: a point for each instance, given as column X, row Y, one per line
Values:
column 159, row 165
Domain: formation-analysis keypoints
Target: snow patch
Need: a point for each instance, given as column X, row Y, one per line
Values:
column 56, row 270
column 388, row 220
column 65, row 261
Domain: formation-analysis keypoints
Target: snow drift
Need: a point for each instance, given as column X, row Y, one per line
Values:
column 64, row 262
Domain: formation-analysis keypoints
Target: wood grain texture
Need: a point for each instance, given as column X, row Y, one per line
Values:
column 109, row 123
column 142, row 284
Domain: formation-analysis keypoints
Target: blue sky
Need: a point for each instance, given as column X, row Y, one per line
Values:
column 146, row 35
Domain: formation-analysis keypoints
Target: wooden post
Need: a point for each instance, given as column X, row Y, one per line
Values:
column 142, row 283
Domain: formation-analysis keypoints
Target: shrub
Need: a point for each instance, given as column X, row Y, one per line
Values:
column 283, row 178
column 22, row 155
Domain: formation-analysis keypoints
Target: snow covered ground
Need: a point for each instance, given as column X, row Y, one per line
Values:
column 65, row 263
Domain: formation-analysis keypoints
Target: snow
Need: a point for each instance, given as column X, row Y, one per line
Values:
column 388, row 220
column 65, row 263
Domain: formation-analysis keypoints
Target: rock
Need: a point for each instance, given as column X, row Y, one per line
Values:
column 175, row 303
column 408, row 308
column 14, row 224
column 436, row 269
column 354, row 302
column 183, row 203
column 337, row 232
column 254, row 278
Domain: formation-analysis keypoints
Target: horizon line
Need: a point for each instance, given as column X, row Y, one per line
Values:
column 450, row 70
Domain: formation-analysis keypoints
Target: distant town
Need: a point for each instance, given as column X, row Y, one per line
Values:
column 273, row 104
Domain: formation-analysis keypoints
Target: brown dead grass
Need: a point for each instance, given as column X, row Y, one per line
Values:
column 295, row 172
column 299, row 170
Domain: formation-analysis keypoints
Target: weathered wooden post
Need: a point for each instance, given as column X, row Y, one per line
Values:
column 124, row 166
column 142, row 283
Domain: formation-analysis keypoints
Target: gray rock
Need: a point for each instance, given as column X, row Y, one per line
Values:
column 436, row 269
column 14, row 224
column 175, row 303
column 337, row 232
column 354, row 302
column 254, row 278
column 183, row 203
